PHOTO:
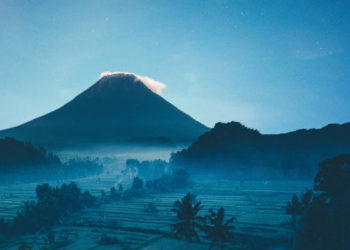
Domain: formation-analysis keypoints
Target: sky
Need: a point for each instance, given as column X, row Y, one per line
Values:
column 274, row 65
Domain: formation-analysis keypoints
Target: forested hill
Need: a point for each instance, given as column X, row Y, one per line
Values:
column 21, row 161
column 17, row 154
column 232, row 147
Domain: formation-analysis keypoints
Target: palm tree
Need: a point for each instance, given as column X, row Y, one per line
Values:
column 219, row 230
column 188, row 220
column 293, row 208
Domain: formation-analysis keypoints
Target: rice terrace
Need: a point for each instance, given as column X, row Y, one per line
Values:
column 257, row 205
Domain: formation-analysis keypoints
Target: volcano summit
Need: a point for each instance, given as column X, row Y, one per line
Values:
column 118, row 108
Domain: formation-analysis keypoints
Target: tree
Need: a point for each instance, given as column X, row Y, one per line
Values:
column 137, row 183
column 319, row 229
column 120, row 188
column 218, row 230
column 306, row 200
column 4, row 229
column 187, row 217
column 293, row 208
column 333, row 181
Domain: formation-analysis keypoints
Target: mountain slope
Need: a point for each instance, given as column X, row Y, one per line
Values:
column 233, row 148
column 118, row 108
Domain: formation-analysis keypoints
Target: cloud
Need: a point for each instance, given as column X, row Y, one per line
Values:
column 155, row 86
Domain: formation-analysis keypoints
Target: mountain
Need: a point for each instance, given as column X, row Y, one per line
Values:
column 118, row 108
column 235, row 149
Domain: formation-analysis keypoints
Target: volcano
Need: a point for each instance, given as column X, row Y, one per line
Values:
column 118, row 108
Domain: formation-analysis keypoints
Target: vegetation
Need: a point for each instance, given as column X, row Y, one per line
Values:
column 53, row 204
column 325, row 218
column 151, row 208
column 237, row 151
column 21, row 161
column 293, row 208
column 178, row 179
column 188, row 220
column 147, row 169
column 218, row 230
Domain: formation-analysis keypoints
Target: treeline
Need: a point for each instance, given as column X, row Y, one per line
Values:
column 23, row 162
column 53, row 204
column 322, row 216
column 147, row 169
column 177, row 179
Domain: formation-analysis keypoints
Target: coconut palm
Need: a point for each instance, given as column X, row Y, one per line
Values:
column 218, row 230
column 187, row 217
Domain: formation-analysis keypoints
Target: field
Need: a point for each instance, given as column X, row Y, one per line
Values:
column 258, row 207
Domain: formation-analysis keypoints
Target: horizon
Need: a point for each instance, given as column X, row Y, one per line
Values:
column 275, row 67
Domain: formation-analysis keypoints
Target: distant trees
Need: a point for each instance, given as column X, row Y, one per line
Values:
column 136, row 189
column 218, row 230
column 325, row 217
column 146, row 169
column 188, row 219
column 115, row 195
column 177, row 179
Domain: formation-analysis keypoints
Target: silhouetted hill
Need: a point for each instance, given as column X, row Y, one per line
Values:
column 118, row 108
column 21, row 161
column 233, row 148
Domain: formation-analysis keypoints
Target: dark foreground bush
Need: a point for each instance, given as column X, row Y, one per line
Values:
column 322, row 217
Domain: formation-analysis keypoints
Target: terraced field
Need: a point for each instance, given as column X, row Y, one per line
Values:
column 258, row 207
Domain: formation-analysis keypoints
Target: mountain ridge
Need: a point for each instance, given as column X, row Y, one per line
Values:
column 232, row 147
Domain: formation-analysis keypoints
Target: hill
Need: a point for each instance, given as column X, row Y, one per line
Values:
column 23, row 162
column 231, row 148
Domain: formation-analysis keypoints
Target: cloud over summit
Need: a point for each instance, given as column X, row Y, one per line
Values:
column 155, row 86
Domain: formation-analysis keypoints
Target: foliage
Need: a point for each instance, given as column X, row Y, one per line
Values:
column 178, row 179
column 53, row 203
column 114, row 194
column 147, row 169
column 325, row 218
column 294, row 208
column 188, row 220
column 218, row 230
column 233, row 149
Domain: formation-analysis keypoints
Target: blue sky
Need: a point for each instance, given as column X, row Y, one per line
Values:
column 273, row 65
